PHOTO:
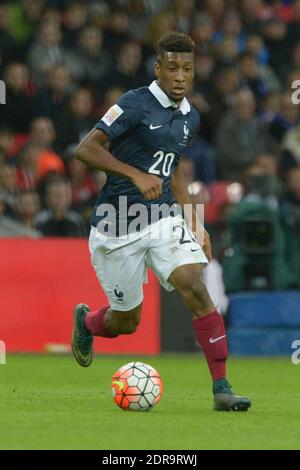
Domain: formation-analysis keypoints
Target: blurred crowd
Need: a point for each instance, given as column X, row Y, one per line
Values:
column 65, row 63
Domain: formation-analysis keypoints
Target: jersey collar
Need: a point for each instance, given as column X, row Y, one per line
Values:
column 165, row 101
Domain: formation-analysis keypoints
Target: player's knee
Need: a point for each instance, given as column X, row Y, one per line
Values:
column 129, row 327
column 129, row 322
column 128, row 330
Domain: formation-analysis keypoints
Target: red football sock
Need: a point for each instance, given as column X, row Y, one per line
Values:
column 94, row 323
column 211, row 335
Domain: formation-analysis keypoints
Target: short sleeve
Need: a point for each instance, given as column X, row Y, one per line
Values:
column 122, row 116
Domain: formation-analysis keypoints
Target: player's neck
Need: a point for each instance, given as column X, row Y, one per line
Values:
column 175, row 103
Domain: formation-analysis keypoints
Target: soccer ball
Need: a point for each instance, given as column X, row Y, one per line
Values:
column 136, row 387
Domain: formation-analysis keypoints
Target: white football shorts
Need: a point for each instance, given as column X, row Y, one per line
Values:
column 121, row 263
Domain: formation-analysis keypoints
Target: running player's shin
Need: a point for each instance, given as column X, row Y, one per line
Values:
column 210, row 333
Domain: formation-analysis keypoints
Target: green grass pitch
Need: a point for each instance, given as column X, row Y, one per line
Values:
column 49, row 402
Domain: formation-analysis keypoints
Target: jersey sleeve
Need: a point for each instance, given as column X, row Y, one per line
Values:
column 122, row 116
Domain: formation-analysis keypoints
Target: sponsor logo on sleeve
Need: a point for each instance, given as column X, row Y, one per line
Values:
column 112, row 114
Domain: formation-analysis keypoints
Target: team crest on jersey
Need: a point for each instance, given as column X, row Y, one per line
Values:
column 186, row 134
column 186, row 130
column 112, row 114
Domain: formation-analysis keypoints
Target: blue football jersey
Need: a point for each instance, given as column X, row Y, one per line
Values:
column 149, row 132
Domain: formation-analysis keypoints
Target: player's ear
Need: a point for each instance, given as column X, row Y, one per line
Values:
column 156, row 69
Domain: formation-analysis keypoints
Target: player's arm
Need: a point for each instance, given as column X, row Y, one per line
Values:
column 180, row 192
column 92, row 152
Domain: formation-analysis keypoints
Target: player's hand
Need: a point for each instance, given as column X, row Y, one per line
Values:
column 151, row 186
column 207, row 246
column 203, row 239
column 201, row 235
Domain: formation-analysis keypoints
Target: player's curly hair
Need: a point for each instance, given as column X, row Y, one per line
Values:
column 175, row 42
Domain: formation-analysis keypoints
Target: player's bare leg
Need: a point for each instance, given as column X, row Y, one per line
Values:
column 105, row 322
column 209, row 328
column 123, row 323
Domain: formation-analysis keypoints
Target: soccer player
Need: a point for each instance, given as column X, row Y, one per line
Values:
column 148, row 130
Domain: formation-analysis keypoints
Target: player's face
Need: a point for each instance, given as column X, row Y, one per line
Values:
column 175, row 72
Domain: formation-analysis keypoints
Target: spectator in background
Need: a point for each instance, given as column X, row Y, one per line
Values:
column 39, row 157
column 42, row 132
column 94, row 60
column 116, row 32
column 182, row 11
column 27, row 177
column 269, row 163
column 35, row 163
column 269, row 107
column 292, row 75
column 202, row 32
column 227, row 51
column 8, row 188
column 154, row 7
column 294, row 26
column 12, row 228
column 59, row 220
column 225, row 84
column 292, row 195
column 231, row 27
column 260, row 78
column 215, row 9
column 286, row 118
column 24, row 17
column 51, row 101
column 254, row 45
column 291, row 148
column 6, row 142
column 251, row 15
column 27, row 207
column 250, row 77
column 48, row 51
column 158, row 25
column 73, row 20
column 76, row 122
column 240, row 137
column 276, row 40
column 295, row 56
column 98, row 14
column 204, row 66
column 111, row 97
column 51, row 13
column 8, row 46
column 138, row 17
column 18, row 97
column 128, row 71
